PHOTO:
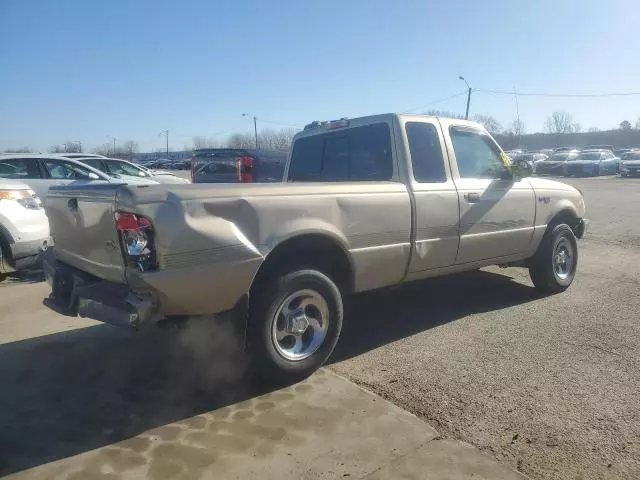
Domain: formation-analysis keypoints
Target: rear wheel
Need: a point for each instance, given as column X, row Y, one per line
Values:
column 554, row 265
column 295, row 323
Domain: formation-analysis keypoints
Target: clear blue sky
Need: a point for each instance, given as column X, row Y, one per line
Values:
column 82, row 70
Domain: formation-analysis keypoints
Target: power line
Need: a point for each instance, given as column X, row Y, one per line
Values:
column 534, row 94
column 437, row 101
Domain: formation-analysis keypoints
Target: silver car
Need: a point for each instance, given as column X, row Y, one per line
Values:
column 116, row 166
column 42, row 171
column 630, row 164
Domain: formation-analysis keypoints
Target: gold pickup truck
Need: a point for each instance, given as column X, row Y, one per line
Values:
column 364, row 203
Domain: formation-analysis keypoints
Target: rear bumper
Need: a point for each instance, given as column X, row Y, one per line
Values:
column 74, row 292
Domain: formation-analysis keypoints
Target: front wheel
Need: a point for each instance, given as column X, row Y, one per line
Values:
column 295, row 324
column 553, row 267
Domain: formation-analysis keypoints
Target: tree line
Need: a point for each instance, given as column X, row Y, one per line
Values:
column 267, row 139
column 558, row 123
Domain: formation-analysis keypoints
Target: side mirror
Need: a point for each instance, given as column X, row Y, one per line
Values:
column 521, row 169
column 504, row 173
column 93, row 176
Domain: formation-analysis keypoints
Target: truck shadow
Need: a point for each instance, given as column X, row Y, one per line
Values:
column 71, row 392
column 373, row 319
column 75, row 391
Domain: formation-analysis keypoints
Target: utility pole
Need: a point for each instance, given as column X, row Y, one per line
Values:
column 466, row 115
column 255, row 128
column 166, row 134
column 114, row 144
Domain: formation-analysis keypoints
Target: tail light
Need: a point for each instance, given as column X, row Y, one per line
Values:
column 245, row 169
column 137, row 240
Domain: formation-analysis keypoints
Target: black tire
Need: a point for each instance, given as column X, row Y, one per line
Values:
column 3, row 255
column 542, row 266
column 268, row 362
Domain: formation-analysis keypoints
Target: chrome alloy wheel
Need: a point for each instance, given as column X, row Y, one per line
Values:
column 300, row 325
column 563, row 258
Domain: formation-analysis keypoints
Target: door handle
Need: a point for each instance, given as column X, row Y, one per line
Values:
column 472, row 197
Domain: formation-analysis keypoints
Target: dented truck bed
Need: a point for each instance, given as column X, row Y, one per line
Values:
column 209, row 242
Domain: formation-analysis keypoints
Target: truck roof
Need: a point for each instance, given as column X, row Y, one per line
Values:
column 317, row 127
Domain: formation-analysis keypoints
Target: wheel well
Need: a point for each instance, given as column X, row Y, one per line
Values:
column 312, row 251
column 565, row 216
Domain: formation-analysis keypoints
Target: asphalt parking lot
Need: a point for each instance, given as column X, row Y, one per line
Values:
column 546, row 385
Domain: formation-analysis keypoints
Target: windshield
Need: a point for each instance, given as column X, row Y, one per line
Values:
column 124, row 168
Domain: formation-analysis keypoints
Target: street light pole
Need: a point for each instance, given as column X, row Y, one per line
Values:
column 466, row 115
column 255, row 128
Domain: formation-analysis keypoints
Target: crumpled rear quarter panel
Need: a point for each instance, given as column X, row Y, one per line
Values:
column 211, row 240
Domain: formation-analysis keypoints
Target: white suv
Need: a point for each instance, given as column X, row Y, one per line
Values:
column 24, row 228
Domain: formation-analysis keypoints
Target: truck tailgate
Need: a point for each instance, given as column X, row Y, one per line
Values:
column 81, row 218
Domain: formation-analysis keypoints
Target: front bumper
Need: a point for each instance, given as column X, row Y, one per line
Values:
column 581, row 228
column 74, row 292
column 22, row 255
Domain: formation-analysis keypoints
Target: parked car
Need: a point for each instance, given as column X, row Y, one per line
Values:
column 592, row 162
column 554, row 164
column 232, row 165
column 367, row 203
column 630, row 164
column 532, row 160
column 564, row 149
column 623, row 151
column 116, row 166
column 24, row 228
column 42, row 171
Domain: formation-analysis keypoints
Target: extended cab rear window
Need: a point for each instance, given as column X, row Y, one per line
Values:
column 356, row 154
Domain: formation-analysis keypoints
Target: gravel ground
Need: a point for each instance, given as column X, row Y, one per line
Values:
column 548, row 385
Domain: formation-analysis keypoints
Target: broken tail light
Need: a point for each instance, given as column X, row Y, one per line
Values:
column 137, row 240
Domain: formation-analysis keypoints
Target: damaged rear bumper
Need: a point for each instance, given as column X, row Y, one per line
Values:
column 74, row 292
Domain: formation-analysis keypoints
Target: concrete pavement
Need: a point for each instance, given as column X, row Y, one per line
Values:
column 324, row 427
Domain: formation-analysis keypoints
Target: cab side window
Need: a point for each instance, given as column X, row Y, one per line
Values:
column 477, row 156
column 426, row 152
column 358, row 154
